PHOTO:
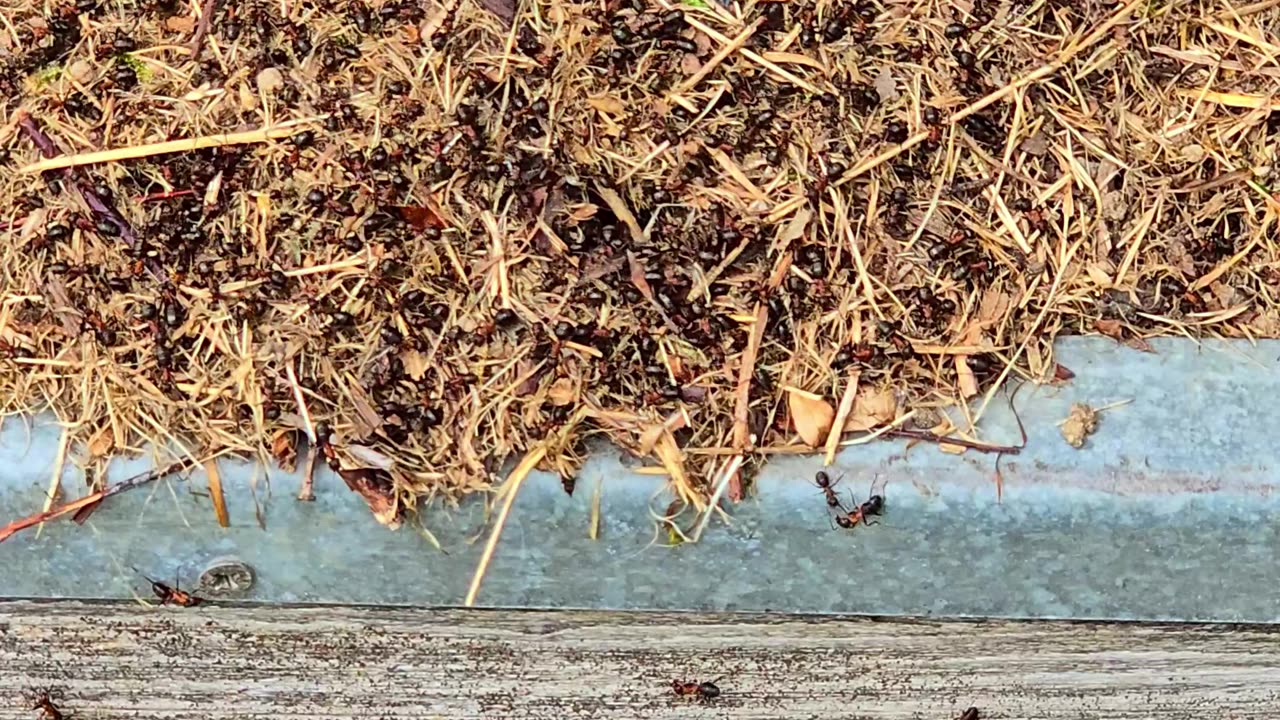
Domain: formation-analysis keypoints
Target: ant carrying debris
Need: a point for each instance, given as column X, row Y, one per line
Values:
column 43, row 699
column 824, row 481
column 704, row 691
column 173, row 595
column 861, row 513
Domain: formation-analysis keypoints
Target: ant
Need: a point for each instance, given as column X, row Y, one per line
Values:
column 824, row 481
column 705, row 691
column 861, row 513
column 970, row 714
column 43, row 699
column 173, row 595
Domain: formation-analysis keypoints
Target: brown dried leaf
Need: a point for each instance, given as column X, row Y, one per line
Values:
column 608, row 105
column 182, row 24
column 811, row 416
column 101, row 443
column 415, row 363
column 872, row 409
column 968, row 381
column 419, row 216
column 1111, row 328
column 1081, row 422
column 363, row 456
column 994, row 306
column 885, row 85
column 284, row 448
column 1140, row 344
column 562, row 392
column 504, row 9
column 1062, row 373
column 378, row 491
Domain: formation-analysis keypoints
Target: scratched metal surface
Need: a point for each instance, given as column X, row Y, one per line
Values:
column 1167, row 513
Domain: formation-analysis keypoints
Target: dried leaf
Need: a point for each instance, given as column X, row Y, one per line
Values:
column 284, row 448
column 968, row 381
column 363, row 456
column 562, row 392
column 415, row 363
column 885, row 85
column 419, row 216
column 504, row 9
column 182, row 24
column 793, row 231
column 1081, row 422
column 1139, row 344
column 872, row 409
column 607, row 104
column 811, row 416
column 1062, row 373
column 101, row 443
column 1111, row 328
column 378, row 491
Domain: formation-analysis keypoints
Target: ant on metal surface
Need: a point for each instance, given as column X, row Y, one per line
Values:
column 861, row 513
column 704, row 691
column 827, row 485
column 173, row 595
column 43, row 699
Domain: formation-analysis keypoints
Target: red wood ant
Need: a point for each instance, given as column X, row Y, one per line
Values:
column 173, row 595
column 824, row 481
column 704, row 691
column 44, row 703
column 861, row 513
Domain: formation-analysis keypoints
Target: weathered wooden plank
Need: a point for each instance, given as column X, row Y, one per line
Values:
column 120, row 660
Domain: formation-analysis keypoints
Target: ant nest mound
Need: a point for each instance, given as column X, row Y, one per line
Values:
column 470, row 232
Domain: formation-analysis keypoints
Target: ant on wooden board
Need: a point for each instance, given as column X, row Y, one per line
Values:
column 970, row 714
column 43, row 699
column 172, row 594
column 704, row 691
column 849, row 518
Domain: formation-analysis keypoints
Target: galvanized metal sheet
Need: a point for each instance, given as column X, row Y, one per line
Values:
column 1165, row 513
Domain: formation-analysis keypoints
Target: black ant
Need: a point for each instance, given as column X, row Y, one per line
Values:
column 43, row 699
column 824, row 481
column 970, row 714
column 704, row 691
column 861, row 513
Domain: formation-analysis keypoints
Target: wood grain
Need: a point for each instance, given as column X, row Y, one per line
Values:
column 114, row 660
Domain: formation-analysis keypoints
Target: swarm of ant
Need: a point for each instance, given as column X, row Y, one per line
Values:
column 495, row 229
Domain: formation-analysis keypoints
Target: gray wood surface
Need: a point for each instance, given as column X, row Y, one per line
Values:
column 114, row 660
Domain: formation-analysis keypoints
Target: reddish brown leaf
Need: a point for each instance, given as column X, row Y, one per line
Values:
column 1062, row 373
column 378, row 490
column 505, row 9
column 1111, row 328
column 419, row 217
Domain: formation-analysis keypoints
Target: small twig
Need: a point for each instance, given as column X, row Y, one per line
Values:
column 202, row 27
column 742, row 399
column 307, row 492
column 135, row 152
column 137, row 480
column 526, row 466
column 725, row 481
column 927, row 436
column 100, row 207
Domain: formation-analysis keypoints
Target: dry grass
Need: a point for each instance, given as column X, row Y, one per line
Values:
column 444, row 241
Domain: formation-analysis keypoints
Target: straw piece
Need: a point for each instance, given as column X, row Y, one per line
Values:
column 510, row 489
column 135, row 152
